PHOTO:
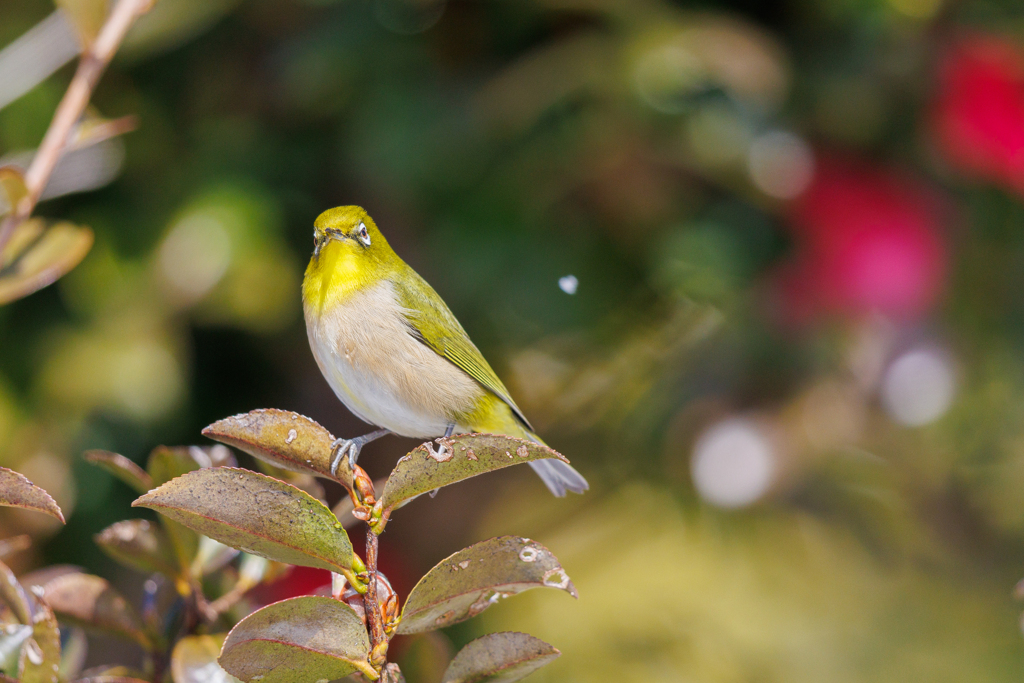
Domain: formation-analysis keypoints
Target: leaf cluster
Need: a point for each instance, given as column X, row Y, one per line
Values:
column 223, row 530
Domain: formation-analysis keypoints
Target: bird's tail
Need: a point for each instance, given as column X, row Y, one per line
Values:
column 558, row 476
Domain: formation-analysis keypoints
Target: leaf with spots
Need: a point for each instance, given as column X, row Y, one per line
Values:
column 17, row 491
column 139, row 544
column 456, row 458
column 259, row 515
column 318, row 636
column 90, row 602
column 499, row 658
column 284, row 439
column 473, row 579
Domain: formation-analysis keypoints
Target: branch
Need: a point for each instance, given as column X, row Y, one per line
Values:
column 378, row 639
column 93, row 62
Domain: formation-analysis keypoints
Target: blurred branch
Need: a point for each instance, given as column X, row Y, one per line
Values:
column 94, row 61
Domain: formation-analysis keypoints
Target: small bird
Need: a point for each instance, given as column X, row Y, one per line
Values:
column 393, row 352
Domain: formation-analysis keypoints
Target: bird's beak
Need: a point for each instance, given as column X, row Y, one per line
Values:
column 329, row 234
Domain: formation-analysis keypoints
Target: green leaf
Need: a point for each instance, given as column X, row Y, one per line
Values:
column 141, row 545
column 259, row 515
column 318, row 636
column 40, row 656
column 284, row 439
column 87, row 16
column 13, row 594
column 194, row 660
column 473, row 579
column 122, row 468
column 17, row 491
column 43, row 261
column 90, row 602
column 459, row 457
column 499, row 658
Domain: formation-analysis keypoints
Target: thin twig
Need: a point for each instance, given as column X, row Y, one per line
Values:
column 378, row 639
column 93, row 62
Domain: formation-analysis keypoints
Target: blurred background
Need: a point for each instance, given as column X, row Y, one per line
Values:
column 756, row 268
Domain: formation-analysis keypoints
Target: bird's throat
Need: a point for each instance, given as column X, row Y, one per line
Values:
column 332, row 277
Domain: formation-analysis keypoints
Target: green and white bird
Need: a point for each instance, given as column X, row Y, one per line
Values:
column 393, row 352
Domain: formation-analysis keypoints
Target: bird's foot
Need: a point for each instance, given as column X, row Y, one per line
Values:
column 351, row 447
column 342, row 447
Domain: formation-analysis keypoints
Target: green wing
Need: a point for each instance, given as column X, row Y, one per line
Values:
column 432, row 323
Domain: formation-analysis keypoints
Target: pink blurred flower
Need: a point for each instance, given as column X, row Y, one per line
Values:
column 978, row 112
column 866, row 241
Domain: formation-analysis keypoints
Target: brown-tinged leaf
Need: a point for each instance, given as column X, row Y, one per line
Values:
column 15, row 544
column 17, row 491
column 13, row 594
column 90, row 602
column 283, row 439
column 111, row 679
column 44, row 575
column 499, row 658
column 122, row 468
column 139, row 544
column 166, row 463
column 54, row 253
column 40, row 656
column 194, row 660
column 87, row 17
column 473, row 579
column 321, row 637
column 12, row 189
column 458, row 457
column 257, row 514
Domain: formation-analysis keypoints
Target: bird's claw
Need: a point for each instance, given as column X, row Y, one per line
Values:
column 341, row 447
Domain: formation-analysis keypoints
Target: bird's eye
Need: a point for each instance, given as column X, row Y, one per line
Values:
column 364, row 236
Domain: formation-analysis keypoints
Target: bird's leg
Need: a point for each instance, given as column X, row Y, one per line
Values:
column 448, row 432
column 352, row 447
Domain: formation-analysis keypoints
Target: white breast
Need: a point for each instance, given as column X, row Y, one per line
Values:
column 381, row 373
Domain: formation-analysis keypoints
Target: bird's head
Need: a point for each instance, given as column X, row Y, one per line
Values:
column 348, row 231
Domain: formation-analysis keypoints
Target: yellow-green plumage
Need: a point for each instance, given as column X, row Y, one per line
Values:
column 391, row 349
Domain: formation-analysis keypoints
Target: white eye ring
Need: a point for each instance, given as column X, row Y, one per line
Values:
column 364, row 236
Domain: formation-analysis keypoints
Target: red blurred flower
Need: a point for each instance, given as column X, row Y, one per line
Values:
column 298, row 581
column 867, row 241
column 978, row 113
